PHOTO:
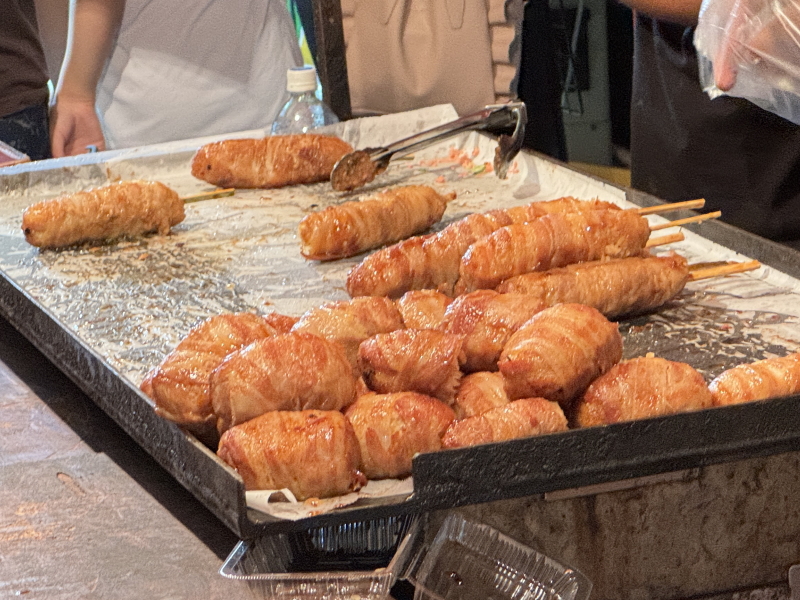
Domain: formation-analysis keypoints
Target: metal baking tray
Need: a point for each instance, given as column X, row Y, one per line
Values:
column 106, row 314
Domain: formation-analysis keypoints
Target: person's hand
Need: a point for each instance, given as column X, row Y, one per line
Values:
column 762, row 38
column 74, row 127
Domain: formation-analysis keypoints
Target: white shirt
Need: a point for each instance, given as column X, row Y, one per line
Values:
column 193, row 68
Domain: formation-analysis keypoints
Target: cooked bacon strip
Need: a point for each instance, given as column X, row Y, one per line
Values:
column 559, row 352
column 642, row 388
column 269, row 162
column 522, row 418
column 125, row 208
column 353, row 227
column 478, row 393
column 433, row 262
column 487, row 319
column 180, row 384
column 293, row 371
column 350, row 322
column 392, row 428
column 614, row 287
column 312, row 453
column 555, row 240
column 423, row 309
column 769, row 378
column 281, row 323
column 413, row 360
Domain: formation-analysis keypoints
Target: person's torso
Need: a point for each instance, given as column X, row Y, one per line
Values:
column 743, row 160
column 23, row 71
column 214, row 66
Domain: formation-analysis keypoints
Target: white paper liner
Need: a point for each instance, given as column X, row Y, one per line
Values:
column 283, row 504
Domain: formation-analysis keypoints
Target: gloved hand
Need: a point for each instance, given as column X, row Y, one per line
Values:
column 751, row 49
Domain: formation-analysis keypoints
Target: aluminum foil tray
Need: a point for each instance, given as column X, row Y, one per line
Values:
column 106, row 314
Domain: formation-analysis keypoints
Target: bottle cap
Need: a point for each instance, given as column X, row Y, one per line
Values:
column 301, row 79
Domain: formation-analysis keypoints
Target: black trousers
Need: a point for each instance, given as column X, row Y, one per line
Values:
column 28, row 131
column 540, row 83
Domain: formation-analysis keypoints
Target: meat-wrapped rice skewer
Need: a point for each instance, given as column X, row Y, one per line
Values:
column 350, row 322
column 769, row 378
column 122, row 209
column 269, row 162
column 559, row 352
column 293, row 371
column 642, row 388
column 423, row 309
column 353, row 227
column 479, row 393
column 392, row 428
column 554, row 240
column 413, row 360
column 312, row 453
column 487, row 319
column 522, row 418
column 614, row 287
column 180, row 385
column 433, row 262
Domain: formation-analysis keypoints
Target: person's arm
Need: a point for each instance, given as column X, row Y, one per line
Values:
column 52, row 17
column 93, row 29
column 677, row 11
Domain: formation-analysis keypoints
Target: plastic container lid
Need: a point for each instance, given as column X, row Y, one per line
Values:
column 301, row 79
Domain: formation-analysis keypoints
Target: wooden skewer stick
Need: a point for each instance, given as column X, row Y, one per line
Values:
column 686, row 221
column 722, row 270
column 662, row 208
column 218, row 193
column 708, row 265
column 664, row 239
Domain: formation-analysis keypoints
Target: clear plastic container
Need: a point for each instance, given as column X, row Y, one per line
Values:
column 352, row 561
column 303, row 111
column 470, row 561
column 465, row 561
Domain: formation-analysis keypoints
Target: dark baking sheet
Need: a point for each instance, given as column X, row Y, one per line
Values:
column 710, row 338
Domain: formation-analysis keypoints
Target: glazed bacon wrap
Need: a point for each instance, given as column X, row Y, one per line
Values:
column 641, row 388
column 413, row 360
column 313, row 453
column 554, row 240
column 292, row 371
column 522, row 418
column 769, row 378
column 353, row 227
column 432, row 261
column 269, row 162
column 559, row 352
column 393, row 428
column 617, row 287
column 122, row 209
column 180, row 385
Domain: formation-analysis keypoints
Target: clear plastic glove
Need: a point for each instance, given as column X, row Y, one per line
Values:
column 751, row 49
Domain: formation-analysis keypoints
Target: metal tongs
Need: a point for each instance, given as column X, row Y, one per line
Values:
column 360, row 167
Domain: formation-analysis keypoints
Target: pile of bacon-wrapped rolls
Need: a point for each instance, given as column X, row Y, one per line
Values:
column 352, row 390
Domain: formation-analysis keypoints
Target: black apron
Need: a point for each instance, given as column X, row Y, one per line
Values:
column 743, row 160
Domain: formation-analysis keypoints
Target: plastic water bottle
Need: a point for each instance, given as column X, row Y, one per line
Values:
column 304, row 111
